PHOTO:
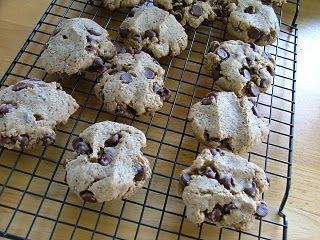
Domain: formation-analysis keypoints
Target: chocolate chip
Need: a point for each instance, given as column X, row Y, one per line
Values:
column 210, row 173
column 6, row 108
column 163, row 92
column 177, row 14
column 80, row 146
column 137, row 37
column 254, row 33
column 185, row 179
column 150, row 34
column 206, row 101
column 255, row 111
column 246, row 73
column 126, row 77
column 251, row 191
column 94, row 32
column 89, row 48
column 262, row 210
column 88, row 196
column 124, row 32
column 21, row 85
column 228, row 207
column 265, row 83
column 120, row 49
column 112, row 141
column 212, row 94
column 216, row 215
column 133, row 11
column 125, row 111
column 105, row 158
column 215, row 151
column 253, row 46
column 24, row 140
column 196, row 10
column 50, row 139
column 270, row 70
column 223, row 54
column 4, row 140
column 213, row 46
column 226, row 181
column 55, row 32
column 266, row 2
column 249, row 10
column 148, row 73
column 139, row 172
column 89, row 39
column 254, row 90
column 98, row 63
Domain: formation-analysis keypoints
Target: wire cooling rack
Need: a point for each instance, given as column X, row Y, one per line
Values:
column 35, row 203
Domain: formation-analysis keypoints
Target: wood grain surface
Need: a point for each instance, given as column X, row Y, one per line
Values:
column 18, row 18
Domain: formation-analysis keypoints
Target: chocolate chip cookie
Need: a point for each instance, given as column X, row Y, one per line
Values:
column 109, row 163
column 223, row 120
column 225, row 188
column 76, row 45
column 191, row 12
column 238, row 67
column 132, row 85
column 252, row 21
column 115, row 4
column 29, row 112
column 154, row 30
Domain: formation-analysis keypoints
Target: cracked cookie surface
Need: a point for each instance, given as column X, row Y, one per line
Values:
column 76, row 45
column 252, row 21
column 133, row 85
column 154, row 30
column 109, row 163
column 29, row 112
column 225, row 188
column 223, row 120
column 238, row 67
column 191, row 12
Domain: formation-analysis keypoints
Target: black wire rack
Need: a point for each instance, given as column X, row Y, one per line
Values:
column 35, row 202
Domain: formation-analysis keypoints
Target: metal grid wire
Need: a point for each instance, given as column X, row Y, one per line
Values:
column 35, row 202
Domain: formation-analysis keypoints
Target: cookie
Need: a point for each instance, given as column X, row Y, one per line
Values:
column 191, row 12
column 115, row 4
column 224, row 188
column 133, row 85
column 109, row 163
column 154, row 30
column 223, row 120
column 238, row 67
column 252, row 21
column 278, row 3
column 29, row 112
column 76, row 45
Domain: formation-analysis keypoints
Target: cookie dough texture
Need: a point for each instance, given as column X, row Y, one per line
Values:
column 252, row 21
column 115, row 4
column 109, row 163
column 29, row 112
column 154, row 30
column 223, row 120
column 133, row 85
column 225, row 188
column 242, row 68
column 75, row 46
column 191, row 12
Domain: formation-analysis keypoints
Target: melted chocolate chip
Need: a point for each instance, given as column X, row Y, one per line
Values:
column 81, row 147
column 254, row 90
column 6, row 108
column 89, row 48
column 148, row 73
column 50, row 139
column 255, row 111
column 137, row 37
column 93, row 32
column 163, row 92
column 215, row 151
column 251, row 191
column 124, row 32
column 253, row 46
column 24, row 140
column 246, row 73
column 105, row 159
column 266, row 2
column 210, row 173
column 226, row 181
column 125, row 111
column 21, row 85
column 88, row 196
column 112, row 141
column 206, row 101
column 150, row 34
column 222, row 53
column 177, row 14
column 126, row 77
column 98, row 63
column 185, row 179
column 262, row 210
column 254, row 33
column 249, row 10
column 216, row 214
column 228, row 207
column 270, row 70
column 139, row 172
column 196, row 10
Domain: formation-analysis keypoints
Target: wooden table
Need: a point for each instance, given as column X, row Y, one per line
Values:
column 18, row 18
